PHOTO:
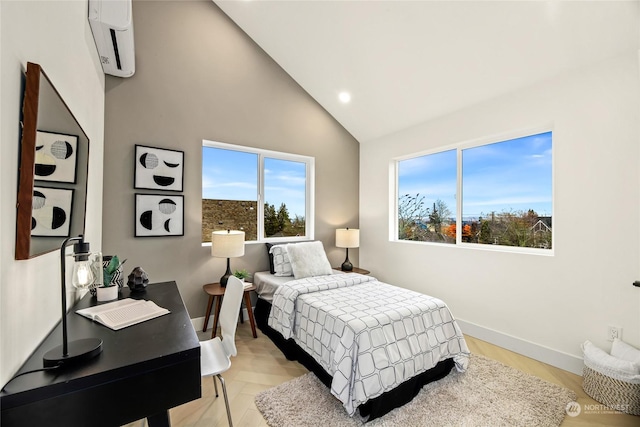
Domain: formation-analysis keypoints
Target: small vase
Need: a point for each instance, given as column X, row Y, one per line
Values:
column 107, row 293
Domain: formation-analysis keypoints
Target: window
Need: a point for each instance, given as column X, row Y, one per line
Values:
column 490, row 194
column 427, row 197
column 267, row 194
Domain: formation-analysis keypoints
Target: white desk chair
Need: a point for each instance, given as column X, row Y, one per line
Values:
column 215, row 353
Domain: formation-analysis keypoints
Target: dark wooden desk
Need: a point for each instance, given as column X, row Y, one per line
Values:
column 143, row 371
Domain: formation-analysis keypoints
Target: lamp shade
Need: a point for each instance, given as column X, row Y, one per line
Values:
column 227, row 243
column 347, row 237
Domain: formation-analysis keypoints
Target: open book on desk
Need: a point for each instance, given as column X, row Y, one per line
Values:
column 122, row 313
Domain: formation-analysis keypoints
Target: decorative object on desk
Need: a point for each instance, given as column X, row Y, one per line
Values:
column 158, row 168
column 347, row 238
column 138, row 280
column 111, row 273
column 56, row 157
column 159, row 215
column 106, row 293
column 109, row 289
column 241, row 274
column 227, row 244
column 51, row 211
column 70, row 353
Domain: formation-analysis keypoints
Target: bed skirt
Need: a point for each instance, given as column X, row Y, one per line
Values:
column 374, row 408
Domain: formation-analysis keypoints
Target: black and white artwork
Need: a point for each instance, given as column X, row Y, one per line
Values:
column 158, row 169
column 51, row 212
column 159, row 215
column 56, row 157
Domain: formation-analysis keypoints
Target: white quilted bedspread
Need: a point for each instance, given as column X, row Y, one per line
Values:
column 370, row 336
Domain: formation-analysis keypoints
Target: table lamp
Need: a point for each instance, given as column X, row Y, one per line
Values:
column 227, row 244
column 70, row 353
column 347, row 238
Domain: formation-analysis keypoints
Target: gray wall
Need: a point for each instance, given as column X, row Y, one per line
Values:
column 198, row 76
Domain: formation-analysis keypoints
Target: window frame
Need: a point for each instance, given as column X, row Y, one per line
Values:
column 460, row 147
column 278, row 155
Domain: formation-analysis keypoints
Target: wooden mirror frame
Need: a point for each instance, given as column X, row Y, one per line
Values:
column 26, row 178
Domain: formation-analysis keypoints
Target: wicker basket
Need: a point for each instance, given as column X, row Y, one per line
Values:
column 618, row 395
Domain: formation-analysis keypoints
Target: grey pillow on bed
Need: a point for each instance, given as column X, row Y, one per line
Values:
column 281, row 264
column 308, row 259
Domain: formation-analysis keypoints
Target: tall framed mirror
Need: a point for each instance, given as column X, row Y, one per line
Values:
column 53, row 167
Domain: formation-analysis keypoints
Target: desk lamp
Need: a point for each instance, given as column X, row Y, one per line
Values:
column 347, row 238
column 227, row 244
column 71, row 353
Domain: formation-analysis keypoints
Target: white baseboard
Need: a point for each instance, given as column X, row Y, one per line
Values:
column 538, row 352
column 198, row 322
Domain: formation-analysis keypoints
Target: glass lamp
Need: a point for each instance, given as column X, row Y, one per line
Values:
column 227, row 244
column 347, row 238
column 71, row 353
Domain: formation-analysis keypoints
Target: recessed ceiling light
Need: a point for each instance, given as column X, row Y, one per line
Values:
column 344, row 97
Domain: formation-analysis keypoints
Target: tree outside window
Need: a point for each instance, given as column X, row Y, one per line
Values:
column 264, row 193
column 506, row 190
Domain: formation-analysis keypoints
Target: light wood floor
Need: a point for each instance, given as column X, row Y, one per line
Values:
column 260, row 365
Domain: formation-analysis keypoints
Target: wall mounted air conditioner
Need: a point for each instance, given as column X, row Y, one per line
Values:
column 112, row 26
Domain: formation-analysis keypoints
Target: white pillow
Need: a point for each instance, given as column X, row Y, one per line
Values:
column 601, row 361
column 281, row 264
column 624, row 351
column 308, row 259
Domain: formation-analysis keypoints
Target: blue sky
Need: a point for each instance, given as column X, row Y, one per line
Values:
column 233, row 175
column 510, row 175
column 285, row 182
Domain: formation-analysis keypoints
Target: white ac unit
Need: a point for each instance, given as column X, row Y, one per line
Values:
column 112, row 26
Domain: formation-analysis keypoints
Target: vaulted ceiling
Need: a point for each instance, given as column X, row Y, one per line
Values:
column 406, row 62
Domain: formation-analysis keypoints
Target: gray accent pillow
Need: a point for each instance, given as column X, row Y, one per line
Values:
column 308, row 259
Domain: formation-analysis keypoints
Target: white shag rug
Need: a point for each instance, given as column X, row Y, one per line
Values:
column 488, row 394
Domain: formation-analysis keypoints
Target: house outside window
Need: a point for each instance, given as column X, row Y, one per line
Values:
column 493, row 194
column 266, row 194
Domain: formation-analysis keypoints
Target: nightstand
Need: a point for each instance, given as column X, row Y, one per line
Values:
column 355, row 270
column 215, row 291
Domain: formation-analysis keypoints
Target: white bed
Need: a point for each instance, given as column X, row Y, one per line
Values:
column 267, row 283
column 369, row 336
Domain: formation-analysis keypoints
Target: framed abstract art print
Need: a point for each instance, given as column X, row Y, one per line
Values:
column 158, row 168
column 51, row 212
column 55, row 157
column 159, row 215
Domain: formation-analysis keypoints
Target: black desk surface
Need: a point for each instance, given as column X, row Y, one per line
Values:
column 143, row 370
